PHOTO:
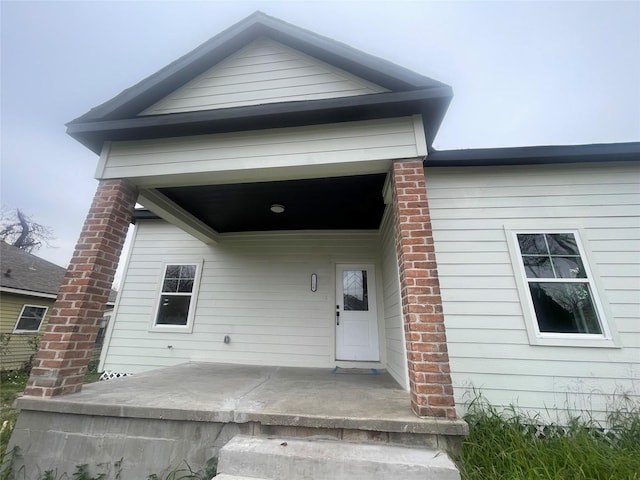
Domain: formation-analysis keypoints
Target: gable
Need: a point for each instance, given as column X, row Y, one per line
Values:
column 338, row 83
column 264, row 71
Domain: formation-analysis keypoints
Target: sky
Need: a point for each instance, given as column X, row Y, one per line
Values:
column 523, row 73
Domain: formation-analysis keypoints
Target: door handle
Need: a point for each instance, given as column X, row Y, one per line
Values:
column 338, row 318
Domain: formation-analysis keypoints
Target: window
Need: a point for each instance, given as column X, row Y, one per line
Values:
column 177, row 295
column 559, row 290
column 103, row 330
column 30, row 319
column 354, row 288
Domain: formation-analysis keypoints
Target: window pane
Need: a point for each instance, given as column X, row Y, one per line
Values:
column 564, row 308
column 537, row 267
column 569, row 267
column 31, row 318
column 532, row 244
column 562, row 244
column 174, row 310
column 187, row 271
column 354, row 289
column 173, row 271
column 170, row 285
column 185, row 286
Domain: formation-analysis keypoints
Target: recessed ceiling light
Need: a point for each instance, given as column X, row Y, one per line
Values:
column 277, row 208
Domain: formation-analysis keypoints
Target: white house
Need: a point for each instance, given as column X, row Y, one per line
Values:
column 285, row 179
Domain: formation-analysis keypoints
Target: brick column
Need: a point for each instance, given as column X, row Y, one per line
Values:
column 67, row 345
column 427, row 357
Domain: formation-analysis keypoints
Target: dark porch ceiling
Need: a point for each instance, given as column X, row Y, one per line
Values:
column 353, row 202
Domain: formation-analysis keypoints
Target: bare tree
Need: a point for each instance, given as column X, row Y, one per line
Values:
column 22, row 231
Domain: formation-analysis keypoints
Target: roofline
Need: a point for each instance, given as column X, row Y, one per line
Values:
column 431, row 103
column 19, row 291
column 156, row 86
column 535, row 155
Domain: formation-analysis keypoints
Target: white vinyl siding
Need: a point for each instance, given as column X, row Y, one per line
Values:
column 393, row 322
column 266, row 152
column 255, row 288
column 486, row 328
column 262, row 72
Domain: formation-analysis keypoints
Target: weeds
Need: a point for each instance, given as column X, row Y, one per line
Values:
column 11, row 384
column 8, row 461
column 206, row 473
column 82, row 472
column 507, row 445
column 106, row 471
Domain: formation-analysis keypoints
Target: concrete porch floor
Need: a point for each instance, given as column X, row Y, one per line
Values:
column 277, row 396
column 188, row 413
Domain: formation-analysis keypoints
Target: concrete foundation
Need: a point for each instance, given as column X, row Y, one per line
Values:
column 158, row 420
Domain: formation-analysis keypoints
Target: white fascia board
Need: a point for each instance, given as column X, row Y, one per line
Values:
column 421, row 138
column 102, row 161
column 387, row 188
column 30, row 293
column 159, row 204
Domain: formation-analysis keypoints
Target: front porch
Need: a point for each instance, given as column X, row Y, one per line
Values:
column 188, row 412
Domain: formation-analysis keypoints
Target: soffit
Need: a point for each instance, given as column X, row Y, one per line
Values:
column 353, row 202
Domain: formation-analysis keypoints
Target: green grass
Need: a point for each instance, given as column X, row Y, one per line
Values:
column 505, row 446
column 11, row 385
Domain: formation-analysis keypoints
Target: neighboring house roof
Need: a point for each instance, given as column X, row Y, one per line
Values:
column 25, row 273
column 410, row 93
column 21, row 270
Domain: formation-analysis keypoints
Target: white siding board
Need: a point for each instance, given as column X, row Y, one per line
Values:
column 629, row 271
column 480, row 308
column 482, row 294
column 473, row 269
column 484, row 322
column 558, row 211
column 568, row 369
column 625, row 310
column 487, row 194
column 263, row 72
column 583, row 218
column 597, row 234
column 254, row 288
column 486, row 331
column 361, row 141
column 470, row 283
column 393, row 321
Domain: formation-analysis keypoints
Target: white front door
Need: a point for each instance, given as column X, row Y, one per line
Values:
column 356, row 316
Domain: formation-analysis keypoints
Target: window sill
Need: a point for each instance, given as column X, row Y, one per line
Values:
column 574, row 341
column 171, row 329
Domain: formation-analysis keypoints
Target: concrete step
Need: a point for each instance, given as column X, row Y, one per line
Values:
column 296, row 459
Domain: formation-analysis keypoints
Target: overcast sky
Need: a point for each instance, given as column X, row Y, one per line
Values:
column 523, row 73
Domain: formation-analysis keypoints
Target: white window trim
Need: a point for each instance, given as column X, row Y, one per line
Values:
column 609, row 337
column 44, row 316
column 188, row 328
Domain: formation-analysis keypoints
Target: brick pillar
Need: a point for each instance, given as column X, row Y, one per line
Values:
column 67, row 344
column 427, row 357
